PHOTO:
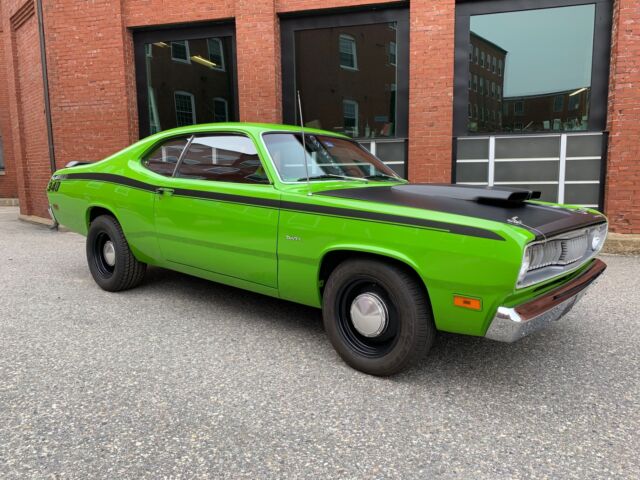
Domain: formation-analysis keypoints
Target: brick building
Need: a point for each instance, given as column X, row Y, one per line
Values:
column 560, row 94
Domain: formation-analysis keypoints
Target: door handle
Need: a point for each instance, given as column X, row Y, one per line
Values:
column 165, row 191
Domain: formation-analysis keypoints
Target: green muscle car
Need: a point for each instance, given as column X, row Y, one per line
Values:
column 314, row 218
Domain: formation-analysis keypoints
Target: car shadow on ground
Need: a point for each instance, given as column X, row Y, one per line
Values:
column 464, row 357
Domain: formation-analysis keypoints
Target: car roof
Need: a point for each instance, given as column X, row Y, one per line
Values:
column 256, row 128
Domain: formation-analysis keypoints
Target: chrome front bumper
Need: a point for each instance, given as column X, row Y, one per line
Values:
column 513, row 323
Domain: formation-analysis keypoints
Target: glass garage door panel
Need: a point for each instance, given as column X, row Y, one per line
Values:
column 394, row 155
column 582, row 194
column 526, row 171
column 472, row 172
column 566, row 168
column 473, row 149
column 473, row 160
column 528, row 147
column 584, row 146
column 583, row 170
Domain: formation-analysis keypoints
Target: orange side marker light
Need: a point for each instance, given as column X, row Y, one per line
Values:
column 467, row 302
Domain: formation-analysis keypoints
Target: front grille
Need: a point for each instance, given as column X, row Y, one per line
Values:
column 573, row 249
column 559, row 252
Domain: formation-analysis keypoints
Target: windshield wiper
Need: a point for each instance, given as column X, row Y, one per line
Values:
column 330, row 176
column 383, row 176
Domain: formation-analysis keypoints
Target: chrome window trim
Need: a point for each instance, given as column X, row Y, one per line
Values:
column 553, row 271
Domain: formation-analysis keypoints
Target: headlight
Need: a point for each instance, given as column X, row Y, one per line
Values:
column 526, row 261
column 597, row 237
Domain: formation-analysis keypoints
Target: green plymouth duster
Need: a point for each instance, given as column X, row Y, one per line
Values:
column 312, row 217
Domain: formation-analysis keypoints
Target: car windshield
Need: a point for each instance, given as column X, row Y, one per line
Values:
column 327, row 158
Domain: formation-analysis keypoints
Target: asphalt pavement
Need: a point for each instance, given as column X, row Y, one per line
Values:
column 183, row 378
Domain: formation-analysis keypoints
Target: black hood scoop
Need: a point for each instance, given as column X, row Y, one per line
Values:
column 499, row 204
column 489, row 195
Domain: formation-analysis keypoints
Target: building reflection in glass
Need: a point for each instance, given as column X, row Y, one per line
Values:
column 530, row 71
column 189, row 81
column 347, row 79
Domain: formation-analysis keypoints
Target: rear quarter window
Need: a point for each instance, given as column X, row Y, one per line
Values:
column 163, row 159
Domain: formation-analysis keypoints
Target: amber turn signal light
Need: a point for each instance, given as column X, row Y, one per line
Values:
column 467, row 302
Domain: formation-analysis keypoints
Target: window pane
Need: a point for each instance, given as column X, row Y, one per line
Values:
column 163, row 159
column 184, row 78
column 540, row 61
column 180, row 50
column 222, row 158
column 185, row 114
column 348, row 51
column 347, row 78
column 221, row 113
column 216, row 53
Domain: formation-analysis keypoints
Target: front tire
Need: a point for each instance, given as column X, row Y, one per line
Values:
column 377, row 316
column 111, row 262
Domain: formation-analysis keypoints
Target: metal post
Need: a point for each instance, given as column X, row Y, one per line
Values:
column 492, row 160
column 45, row 82
column 563, row 167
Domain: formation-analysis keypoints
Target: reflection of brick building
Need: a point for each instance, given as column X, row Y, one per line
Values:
column 205, row 82
column 324, row 84
column 566, row 110
column 486, row 84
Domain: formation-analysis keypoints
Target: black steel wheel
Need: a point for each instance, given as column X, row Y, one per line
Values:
column 377, row 316
column 111, row 261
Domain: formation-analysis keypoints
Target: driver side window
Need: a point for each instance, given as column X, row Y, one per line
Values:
column 222, row 158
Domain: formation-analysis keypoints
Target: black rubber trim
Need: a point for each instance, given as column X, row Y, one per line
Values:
column 293, row 206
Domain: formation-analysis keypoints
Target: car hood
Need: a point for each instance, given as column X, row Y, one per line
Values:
column 499, row 204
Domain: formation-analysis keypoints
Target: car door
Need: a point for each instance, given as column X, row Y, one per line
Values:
column 220, row 212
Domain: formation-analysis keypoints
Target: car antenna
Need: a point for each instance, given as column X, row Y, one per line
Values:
column 304, row 146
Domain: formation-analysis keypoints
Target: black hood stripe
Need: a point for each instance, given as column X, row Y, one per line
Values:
column 293, row 206
column 541, row 220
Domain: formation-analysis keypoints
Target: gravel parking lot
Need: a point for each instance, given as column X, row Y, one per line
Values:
column 183, row 378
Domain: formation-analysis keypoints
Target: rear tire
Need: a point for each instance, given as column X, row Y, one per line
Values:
column 377, row 316
column 111, row 262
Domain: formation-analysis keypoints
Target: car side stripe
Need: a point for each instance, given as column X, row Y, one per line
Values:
column 293, row 206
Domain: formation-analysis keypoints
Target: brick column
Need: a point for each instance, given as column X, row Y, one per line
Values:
column 258, row 57
column 622, row 198
column 431, row 53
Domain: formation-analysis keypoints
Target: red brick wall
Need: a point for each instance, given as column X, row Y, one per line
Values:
column 431, row 90
column 29, row 125
column 288, row 6
column 161, row 12
column 622, row 200
column 90, row 64
column 258, row 60
column 8, row 187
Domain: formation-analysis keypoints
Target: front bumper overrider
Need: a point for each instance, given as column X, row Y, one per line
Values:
column 512, row 323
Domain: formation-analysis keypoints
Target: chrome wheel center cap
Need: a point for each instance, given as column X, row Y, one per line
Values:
column 109, row 253
column 369, row 314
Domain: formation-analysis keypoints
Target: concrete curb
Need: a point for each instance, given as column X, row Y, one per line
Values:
column 622, row 244
column 9, row 202
column 45, row 222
